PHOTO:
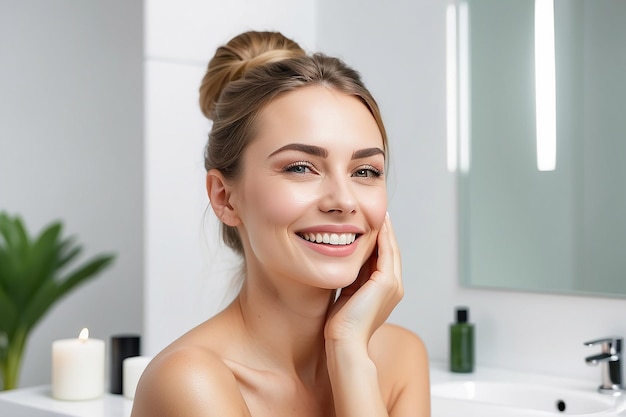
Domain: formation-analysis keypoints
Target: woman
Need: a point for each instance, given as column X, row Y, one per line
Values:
column 295, row 165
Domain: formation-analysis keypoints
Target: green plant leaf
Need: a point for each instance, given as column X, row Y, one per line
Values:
column 14, row 232
column 68, row 250
column 8, row 323
column 8, row 314
column 38, row 266
column 13, row 246
column 53, row 290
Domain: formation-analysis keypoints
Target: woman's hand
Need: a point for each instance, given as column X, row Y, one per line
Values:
column 365, row 305
column 353, row 318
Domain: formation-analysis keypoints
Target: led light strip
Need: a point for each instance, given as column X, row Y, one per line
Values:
column 545, row 85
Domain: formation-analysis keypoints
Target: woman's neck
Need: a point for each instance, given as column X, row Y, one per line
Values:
column 286, row 325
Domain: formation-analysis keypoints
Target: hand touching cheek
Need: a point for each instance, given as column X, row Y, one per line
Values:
column 366, row 304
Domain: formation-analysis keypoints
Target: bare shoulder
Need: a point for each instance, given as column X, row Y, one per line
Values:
column 401, row 359
column 396, row 343
column 189, row 381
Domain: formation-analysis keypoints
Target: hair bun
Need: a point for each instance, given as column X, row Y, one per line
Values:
column 242, row 53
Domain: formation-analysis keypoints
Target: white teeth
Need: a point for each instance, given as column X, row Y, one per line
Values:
column 330, row 238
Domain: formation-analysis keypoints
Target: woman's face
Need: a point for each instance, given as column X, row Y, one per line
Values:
column 312, row 196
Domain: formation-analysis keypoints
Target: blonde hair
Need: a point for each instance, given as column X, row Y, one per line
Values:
column 244, row 76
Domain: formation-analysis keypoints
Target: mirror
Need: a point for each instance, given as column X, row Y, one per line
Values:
column 556, row 231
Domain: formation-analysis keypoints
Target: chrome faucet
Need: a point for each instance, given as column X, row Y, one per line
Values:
column 610, row 361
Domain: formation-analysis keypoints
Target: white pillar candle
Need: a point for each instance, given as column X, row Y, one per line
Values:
column 78, row 368
column 133, row 368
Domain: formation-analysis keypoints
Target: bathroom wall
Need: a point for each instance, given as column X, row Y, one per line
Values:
column 71, row 148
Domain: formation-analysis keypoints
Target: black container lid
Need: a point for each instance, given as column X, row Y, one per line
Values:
column 462, row 314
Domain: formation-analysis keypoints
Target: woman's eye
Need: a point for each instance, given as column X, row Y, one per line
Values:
column 299, row 168
column 367, row 172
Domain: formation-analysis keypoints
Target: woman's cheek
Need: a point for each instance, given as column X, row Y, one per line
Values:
column 374, row 207
column 281, row 201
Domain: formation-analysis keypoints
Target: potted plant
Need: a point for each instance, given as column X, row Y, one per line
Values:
column 35, row 273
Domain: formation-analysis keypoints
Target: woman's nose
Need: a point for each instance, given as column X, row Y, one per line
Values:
column 337, row 195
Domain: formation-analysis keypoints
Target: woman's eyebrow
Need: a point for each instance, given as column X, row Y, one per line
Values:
column 367, row 152
column 323, row 152
column 301, row 147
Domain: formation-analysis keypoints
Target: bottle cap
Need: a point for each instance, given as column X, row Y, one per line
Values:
column 462, row 314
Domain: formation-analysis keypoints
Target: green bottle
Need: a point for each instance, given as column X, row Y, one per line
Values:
column 462, row 343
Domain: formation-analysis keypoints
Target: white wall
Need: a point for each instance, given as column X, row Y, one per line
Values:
column 399, row 49
column 71, row 149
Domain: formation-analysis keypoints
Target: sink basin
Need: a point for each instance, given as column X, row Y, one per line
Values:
column 528, row 397
column 494, row 392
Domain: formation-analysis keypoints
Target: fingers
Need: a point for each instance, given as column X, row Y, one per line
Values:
column 389, row 260
column 387, row 289
column 397, row 259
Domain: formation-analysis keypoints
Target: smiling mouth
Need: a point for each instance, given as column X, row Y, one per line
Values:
column 329, row 238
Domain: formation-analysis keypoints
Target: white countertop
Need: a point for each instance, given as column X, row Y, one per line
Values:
column 38, row 402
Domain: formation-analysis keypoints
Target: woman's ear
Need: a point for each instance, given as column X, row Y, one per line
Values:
column 219, row 192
